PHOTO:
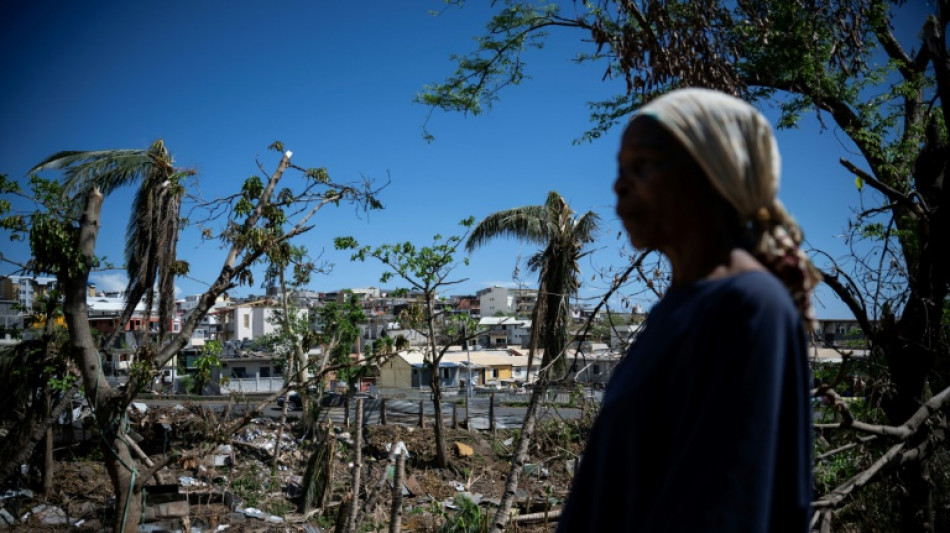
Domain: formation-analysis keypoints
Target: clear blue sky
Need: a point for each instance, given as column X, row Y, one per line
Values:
column 335, row 81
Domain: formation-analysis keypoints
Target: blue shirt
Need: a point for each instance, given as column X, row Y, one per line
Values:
column 706, row 424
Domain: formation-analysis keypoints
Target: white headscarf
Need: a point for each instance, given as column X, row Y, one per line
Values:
column 733, row 143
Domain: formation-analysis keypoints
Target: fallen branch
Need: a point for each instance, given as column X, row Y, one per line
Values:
column 535, row 518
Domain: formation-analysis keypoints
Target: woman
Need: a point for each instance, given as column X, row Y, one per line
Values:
column 705, row 425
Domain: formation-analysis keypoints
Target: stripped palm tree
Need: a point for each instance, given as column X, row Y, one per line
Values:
column 152, row 232
column 563, row 236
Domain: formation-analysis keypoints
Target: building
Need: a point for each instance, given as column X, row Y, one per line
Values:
column 18, row 296
column 25, row 290
column 409, row 370
column 503, row 300
column 839, row 332
column 594, row 367
column 250, row 320
column 503, row 331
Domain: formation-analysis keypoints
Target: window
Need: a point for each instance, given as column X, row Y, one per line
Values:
column 247, row 321
column 596, row 369
column 265, row 371
column 494, row 372
column 238, row 372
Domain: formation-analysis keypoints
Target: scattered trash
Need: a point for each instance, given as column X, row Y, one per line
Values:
column 6, row 518
column 253, row 513
column 187, row 481
column 51, row 516
column 26, row 493
column 400, row 449
column 509, row 441
column 537, row 470
column 463, row 450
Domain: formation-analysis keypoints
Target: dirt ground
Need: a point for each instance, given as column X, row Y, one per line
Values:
column 209, row 476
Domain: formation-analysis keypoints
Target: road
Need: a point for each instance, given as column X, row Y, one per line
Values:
column 401, row 412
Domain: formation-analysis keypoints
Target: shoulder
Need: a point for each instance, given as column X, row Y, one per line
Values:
column 755, row 295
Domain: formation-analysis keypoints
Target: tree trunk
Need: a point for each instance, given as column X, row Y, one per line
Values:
column 107, row 406
column 395, row 517
column 441, row 453
column 23, row 455
column 521, row 452
column 48, row 447
column 125, row 482
column 357, row 468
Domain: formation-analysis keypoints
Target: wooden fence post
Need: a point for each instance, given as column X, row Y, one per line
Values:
column 455, row 416
column 422, row 414
column 382, row 412
column 491, row 413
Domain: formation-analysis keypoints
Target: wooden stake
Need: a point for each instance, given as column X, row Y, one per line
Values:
column 395, row 517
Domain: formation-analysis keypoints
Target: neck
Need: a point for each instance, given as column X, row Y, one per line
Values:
column 715, row 253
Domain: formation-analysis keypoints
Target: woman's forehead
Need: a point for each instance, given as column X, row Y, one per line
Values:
column 645, row 133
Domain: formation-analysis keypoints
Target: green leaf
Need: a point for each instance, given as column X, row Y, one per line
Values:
column 858, row 182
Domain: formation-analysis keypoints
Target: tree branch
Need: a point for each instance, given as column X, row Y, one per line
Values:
column 892, row 194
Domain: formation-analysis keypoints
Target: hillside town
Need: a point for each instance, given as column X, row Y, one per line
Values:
column 497, row 358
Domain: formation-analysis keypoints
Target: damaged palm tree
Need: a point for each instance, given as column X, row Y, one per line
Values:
column 63, row 234
column 554, row 226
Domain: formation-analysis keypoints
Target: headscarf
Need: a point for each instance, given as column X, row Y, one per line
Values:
column 733, row 143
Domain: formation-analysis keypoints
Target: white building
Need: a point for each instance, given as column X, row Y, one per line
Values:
column 495, row 300
column 503, row 331
column 251, row 320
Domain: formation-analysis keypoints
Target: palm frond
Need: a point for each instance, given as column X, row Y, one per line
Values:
column 106, row 169
column 585, row 227
column 525, row 223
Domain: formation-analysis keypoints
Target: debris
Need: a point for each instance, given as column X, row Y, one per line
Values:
column 26, row 493
column 6, row 518
column 569, row 466
column 508, row 441
column 537, row 470
column 168, row 510
column 400, row 449
column 140, row 407
column 51, row 516
column 474, row 498
column 253, row 513
column 463, row 450
column 413, row 486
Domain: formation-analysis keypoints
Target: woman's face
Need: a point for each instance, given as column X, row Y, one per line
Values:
column 656, row 187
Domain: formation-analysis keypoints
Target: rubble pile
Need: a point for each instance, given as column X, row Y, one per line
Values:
column 231, row 485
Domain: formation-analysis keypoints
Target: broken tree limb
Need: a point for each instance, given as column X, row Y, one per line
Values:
column 534, row 518
column 846, row 447
column 371, row 498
